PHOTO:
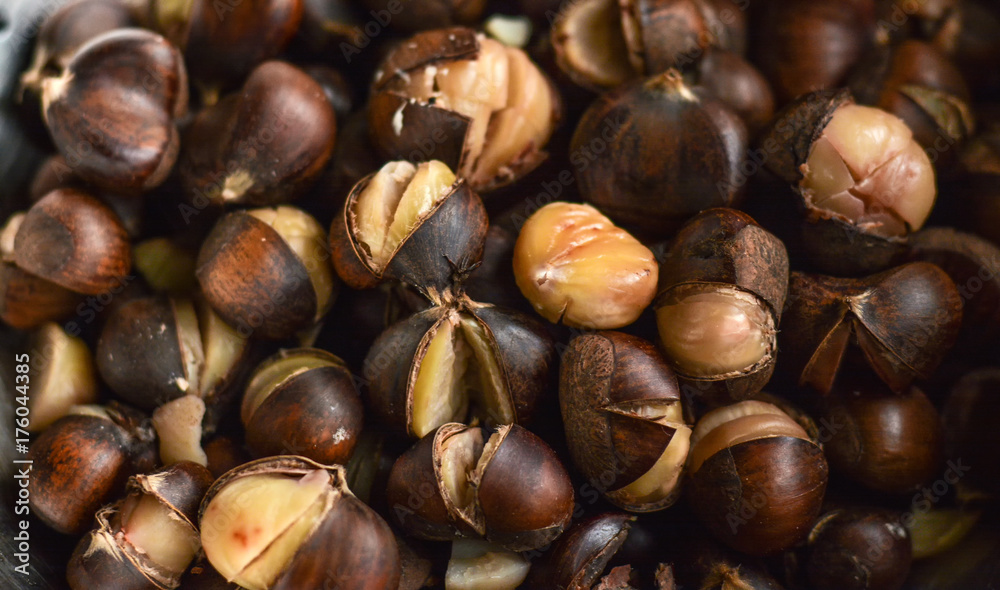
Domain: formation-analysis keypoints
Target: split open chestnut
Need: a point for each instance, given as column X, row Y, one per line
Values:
column 624, row 420
column 458, row 362
column 418, row 224
column 507, row 486
column 482, row 108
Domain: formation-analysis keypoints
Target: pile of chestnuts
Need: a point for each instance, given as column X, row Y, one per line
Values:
column 401, row 294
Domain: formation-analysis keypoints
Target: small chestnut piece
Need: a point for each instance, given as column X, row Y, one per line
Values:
column 147, row 540
column 303, row 401
column 418, row 224
column 75, row 241
column 651, row 180
column 887, row 441
column 113, row 111
column 65, row 376
column 83, row 460
column 266, row 271
column 863, row 182
column 508, row 487
column 857, row 549
column 486, row 108
column 903, row 320
column 264, row 145
column 462, row 361
column 576, row 267
column 722, row 287
column 479, row 565
column 166, row 265
column 287, row 523
column 223, row 42
column 625, row 427
column 755, row 478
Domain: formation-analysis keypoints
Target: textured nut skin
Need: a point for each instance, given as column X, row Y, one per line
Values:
column 579, row 556
column 27, row 301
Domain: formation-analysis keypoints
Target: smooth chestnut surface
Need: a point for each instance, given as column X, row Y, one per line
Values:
column 264, row 145
column 113, row 111
column 903, row 320
column 27, row 301
column 75, row 241
column 656, row 181
column 890, row 442
column 580, row 555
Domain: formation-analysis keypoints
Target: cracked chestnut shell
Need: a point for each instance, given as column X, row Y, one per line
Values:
column 507, row 486
column 303, row 401
column 581, row 554
column 224, row 41
column 625, row 426
column 415, row 223
column 75, row 241
column 656, row 181
column 83, row 460
column 903, row 320
column 458, row 362
column 266, row 272
column 863, row 183
column 484, row 109
column 756, row 480
column 263, row 145
column 287, row 522
column 722, row 287
column 113, row 111
column 147, row 540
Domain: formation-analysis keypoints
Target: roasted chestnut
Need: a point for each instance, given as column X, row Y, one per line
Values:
column 83, row 460
column 418, row 224
column 970, row 427
column 656, row 181
column 857, row 549
column 755, row 478
column 722, row 286
column 625, row 426
column 166, row 265
column 458, row 362
column 113, row 110
column 64, row 377
column 264, row 145
column 888, row 441
column 453, row 95
column 287, row 522
column 155, row 349
column 476, row 564
column 578, row 268
column 582, row 553
column 147, row 540
column 302, row 401
column 727, row 77
column 904, row 320
column 420, row 15
column 267, row 271
column 863, row 183
column 223, row 42
column 75, row 241
column 508, row 487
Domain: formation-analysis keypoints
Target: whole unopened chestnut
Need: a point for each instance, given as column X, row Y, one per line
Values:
column 264, row 145
column 418, row 224
column 287, row 522
column 113, row 110
column 652, row 180
column 75, row 241
column 83, row 460
column 726, row 76
column 577, row 268
column 463, row 361
column 888, row 441
column 755, row 478
column 482, row 108
column 508, row 487
column 303, row 401
column 903, row 320
column 147, row 540
column 223, row 42
column 857, row 549
column 863, row 182
column 970, row 430
column 27, row 301
column 722, row 287
column 624, row 421
column 266, row 271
